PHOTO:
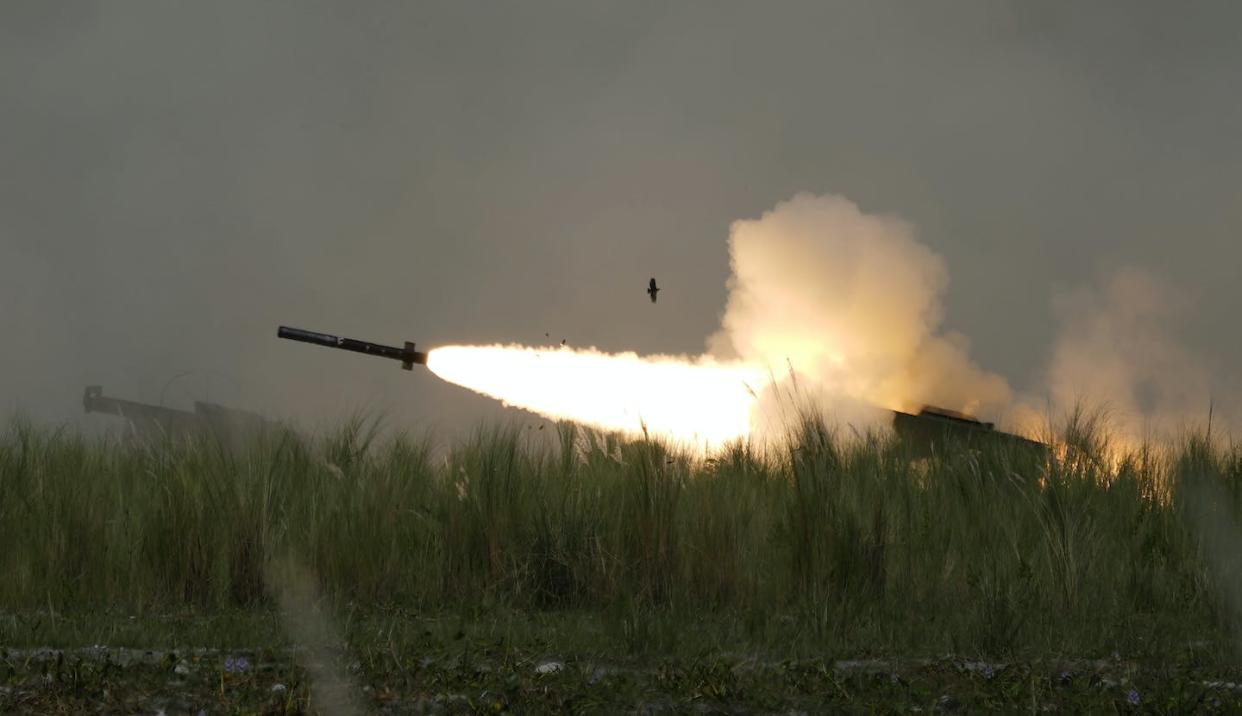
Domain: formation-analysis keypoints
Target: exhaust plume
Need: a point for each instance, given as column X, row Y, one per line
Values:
column 699, row 401
column 846, row 302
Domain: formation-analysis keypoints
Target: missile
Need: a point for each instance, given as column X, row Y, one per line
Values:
column 407, row 355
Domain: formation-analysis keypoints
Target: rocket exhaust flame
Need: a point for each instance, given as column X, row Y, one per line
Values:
column 698, row 402
column 849, row 302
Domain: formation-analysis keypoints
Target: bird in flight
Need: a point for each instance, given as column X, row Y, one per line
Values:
column 652, row 290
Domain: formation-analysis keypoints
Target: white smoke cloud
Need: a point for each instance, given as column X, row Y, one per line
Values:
column 852, row 302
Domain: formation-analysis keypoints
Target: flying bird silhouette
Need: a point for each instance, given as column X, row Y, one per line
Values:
column 652, row 290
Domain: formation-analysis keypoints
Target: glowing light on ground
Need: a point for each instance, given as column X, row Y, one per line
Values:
column 691, row 401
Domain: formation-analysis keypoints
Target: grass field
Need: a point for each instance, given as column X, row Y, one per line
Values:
column 587, row 573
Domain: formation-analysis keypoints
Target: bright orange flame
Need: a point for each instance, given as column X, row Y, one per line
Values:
column 690, row 401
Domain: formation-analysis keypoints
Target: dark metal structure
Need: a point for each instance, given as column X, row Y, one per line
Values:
column 142, row 418
column 933, row 429
column 407, row 355
column 156, row 421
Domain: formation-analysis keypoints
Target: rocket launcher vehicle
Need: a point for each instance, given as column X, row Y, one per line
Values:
column 933, row 429
column 155, row 421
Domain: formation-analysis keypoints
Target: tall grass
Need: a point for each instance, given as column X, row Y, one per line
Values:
column 853, row 539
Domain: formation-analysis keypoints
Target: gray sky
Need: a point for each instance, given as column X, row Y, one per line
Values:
column 177, row 179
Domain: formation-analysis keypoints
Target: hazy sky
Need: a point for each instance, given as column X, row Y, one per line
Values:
column 178, row 179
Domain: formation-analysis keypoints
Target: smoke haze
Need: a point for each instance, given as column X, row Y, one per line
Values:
column 1117, row 351
column 178, row 180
